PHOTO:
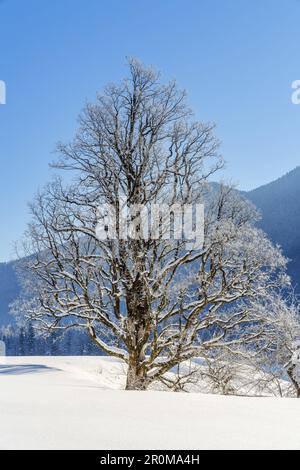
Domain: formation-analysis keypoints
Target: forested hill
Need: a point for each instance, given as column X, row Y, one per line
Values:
column 9, row 290
column 279, row 203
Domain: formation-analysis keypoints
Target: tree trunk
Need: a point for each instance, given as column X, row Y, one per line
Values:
column 294, row 382
column 138, row 332
column 136, row 377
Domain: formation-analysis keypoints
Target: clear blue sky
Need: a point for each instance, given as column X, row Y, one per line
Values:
column 236, row 58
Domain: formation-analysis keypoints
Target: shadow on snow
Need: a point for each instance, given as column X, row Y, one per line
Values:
column 20, row 369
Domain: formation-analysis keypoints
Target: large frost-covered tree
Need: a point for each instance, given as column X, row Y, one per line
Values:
column 150, row 301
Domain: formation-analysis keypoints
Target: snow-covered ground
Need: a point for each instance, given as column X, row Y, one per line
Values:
column 77, row 403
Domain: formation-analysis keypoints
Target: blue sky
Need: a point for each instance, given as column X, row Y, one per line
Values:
column 236, row 58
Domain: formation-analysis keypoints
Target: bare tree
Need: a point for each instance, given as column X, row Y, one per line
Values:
column 220, row 372
column 152, row 302
column 280, row 357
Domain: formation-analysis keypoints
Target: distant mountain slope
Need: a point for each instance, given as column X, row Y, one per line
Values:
column 279, row 203
column 9, row 290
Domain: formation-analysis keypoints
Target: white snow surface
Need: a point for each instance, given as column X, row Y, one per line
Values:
column 78, row 403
